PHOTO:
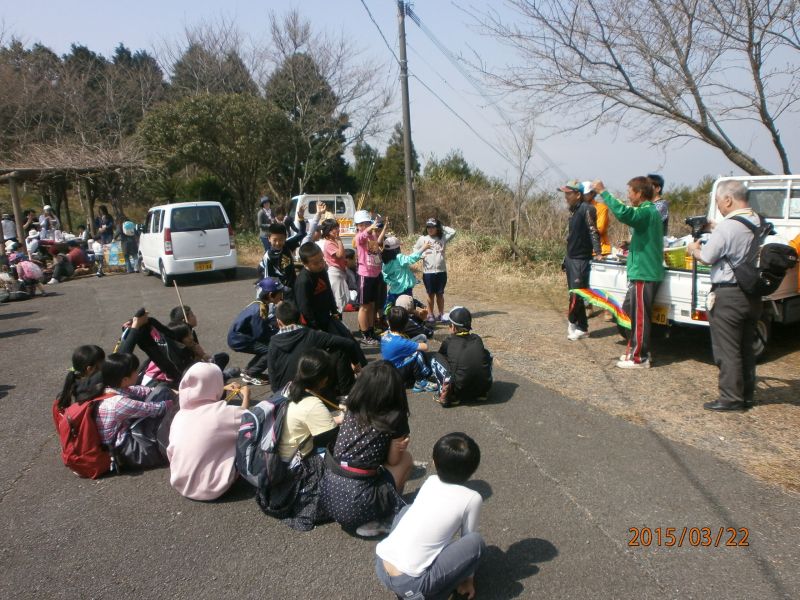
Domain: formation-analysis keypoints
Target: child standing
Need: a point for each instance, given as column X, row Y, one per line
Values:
column 407, row 355
column 278, row 261
column 130, row 246
column 434, row 266
column 419, row 558
column 397, row 270
column 463, row 366
column 368, row 245
column 334, row 253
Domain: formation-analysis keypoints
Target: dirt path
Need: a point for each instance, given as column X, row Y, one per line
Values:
column 525, row 328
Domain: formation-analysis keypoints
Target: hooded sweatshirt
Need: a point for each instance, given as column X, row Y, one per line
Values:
column 202, row 439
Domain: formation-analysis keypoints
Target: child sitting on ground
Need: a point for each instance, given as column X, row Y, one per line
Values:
column 252, row 330
column 202, row 438
column 463, row 366
column 84, row 380
column 183, row 315
column 407, row 355
column 351, row 275
column 116, row 414
column 419, row 558
column 416, row 319
column 313, row 293
column 397, row 270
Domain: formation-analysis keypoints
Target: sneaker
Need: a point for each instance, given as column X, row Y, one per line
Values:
column 443, row 319
column 629, row 364
column 571, row 327
column 627, row 357
column 374, row 529
column 52, row 281
column 250, row 380
column 430, row 319
column 423, row 385
column 577, row 334
column 368, row 340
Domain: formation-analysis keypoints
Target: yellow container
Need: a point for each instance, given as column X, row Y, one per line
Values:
column 675, row 258
column 701, row 268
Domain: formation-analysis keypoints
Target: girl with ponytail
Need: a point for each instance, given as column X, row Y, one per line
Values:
column 84, row 380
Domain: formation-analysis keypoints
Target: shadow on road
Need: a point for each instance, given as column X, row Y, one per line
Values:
column 17, row 315
column 238, row 492
column 16, row 332
column 4, row 389
column 502, row 391
column 501, row 574
column 773, row 390
column 480, row 486
column 487, row 313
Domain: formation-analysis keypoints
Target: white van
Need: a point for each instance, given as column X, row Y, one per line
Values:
column 341, row 206
column 187, row 237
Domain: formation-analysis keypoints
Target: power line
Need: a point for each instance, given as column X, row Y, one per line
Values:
column 378, row 27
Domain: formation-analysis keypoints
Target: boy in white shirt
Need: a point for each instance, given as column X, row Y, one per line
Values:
column 420, row 558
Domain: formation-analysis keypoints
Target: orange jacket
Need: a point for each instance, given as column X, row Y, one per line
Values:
column 602, row 225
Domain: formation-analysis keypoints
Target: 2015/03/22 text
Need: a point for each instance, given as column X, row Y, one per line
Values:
column 704, row 537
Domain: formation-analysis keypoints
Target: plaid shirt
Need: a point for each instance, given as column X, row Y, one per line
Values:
column 115, row 413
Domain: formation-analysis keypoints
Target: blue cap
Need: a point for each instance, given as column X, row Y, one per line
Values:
column 269, row 285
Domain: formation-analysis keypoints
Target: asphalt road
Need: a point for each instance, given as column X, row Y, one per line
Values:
column 563, row 485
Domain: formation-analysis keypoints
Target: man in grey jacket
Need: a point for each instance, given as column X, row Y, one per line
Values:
column 732, row 313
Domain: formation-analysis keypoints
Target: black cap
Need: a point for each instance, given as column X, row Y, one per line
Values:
column 656, row 179
column 460, row 317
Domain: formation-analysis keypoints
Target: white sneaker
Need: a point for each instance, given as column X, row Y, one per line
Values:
column 53, row 281
column 629, row 364
column 578, row 334
column 374, row 528
column 623, row 357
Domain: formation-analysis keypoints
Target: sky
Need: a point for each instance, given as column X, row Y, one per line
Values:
column 611, row 155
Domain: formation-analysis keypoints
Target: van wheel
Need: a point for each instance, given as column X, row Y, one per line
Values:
column 165, row 279
column 763, row 332
column 230, row 274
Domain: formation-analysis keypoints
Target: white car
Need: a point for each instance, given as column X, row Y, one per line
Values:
column 187, row 237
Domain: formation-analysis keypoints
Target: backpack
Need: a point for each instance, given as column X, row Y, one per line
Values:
column 81, row 449
column 764, row 267
column 257, row 459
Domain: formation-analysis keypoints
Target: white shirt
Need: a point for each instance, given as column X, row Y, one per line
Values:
column 9, row 229
column 439, row 511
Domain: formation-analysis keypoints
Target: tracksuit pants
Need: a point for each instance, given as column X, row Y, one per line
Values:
column 638, row 305
column 578, row 271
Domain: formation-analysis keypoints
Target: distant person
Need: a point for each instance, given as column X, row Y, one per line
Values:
column 351, row 275
column 104, row 225
column 434, row 264
column 63, row 269
column 662, row 206
column 733, row 314
column 83, row 235
column 263, row 220
column 129, row 238
column 583, row 241
column 48, row 223
column 253, row 329
column 645, row 264
column 202, row 437
column 370, row 462
column 462, row 366
column 368, row 247
column 9, row 228
column 434, row 547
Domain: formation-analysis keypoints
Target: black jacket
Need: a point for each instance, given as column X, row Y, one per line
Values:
column 470, row 364
column 583, row 237
column 285, row 350
column 314, row 299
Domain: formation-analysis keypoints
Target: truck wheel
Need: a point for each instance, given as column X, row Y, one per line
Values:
column 165, row 279
column 142, row 269
column 763, row 332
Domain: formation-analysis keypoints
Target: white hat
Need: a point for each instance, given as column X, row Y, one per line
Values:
column 33, row 233
column 47, row 207
column 587, row 187
column 362, row 216
column 391, row 243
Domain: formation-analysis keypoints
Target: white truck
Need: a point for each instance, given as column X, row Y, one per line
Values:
column 339, row 206
column 681, row 299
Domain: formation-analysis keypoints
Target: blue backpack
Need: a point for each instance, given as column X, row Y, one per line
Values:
column 257, row 458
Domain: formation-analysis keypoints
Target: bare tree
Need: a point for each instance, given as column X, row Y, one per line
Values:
column 666, row 69
column 334, row 98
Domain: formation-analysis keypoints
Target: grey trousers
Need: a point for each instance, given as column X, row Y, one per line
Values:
column 733, row 321
column 457, row 561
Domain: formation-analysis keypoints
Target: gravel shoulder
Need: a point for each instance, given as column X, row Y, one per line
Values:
column 525, row 328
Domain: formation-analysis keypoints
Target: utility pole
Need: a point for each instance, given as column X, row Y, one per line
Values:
column 411, row 210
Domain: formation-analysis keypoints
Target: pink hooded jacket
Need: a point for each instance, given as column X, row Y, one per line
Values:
column 202, row 439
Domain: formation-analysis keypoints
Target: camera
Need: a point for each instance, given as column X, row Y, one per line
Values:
column 698, row 224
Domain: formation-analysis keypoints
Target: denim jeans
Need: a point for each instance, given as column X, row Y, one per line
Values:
column 457, row 561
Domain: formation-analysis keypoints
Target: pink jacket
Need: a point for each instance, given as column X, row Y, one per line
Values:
column 202, row 440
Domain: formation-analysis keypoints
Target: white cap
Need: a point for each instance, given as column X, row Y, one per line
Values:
column 587, row 186
column 47, row 207
column 362, row 216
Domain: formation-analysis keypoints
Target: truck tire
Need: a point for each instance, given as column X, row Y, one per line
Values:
column 165, row 279
column 763, row 332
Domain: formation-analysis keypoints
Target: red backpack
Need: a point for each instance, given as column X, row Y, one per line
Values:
column 81, row 449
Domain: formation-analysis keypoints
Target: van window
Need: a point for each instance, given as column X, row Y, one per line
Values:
column 148, row 222
column 197, row 218
column 768, row 203
column 157, row 221
column 337, row 206
column 794, row 205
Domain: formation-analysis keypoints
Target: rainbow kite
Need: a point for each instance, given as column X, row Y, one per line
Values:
column 603, row 300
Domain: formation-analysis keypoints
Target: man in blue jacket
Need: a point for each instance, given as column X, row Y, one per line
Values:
column 252, row 330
